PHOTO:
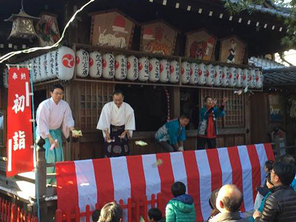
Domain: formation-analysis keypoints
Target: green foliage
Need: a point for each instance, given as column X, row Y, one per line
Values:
column 287, row 6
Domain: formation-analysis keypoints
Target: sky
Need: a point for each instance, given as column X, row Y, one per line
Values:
column 290, row 56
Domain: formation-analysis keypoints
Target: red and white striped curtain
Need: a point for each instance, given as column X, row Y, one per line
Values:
column 87, row 182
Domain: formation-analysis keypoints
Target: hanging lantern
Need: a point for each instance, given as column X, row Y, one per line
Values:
column 22, row 25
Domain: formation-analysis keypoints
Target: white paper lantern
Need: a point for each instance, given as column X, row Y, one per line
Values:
column 35, row 70
column 185, row 72
column 174, row 71
column 245, row 78
column 210, row 74
column 120, row 67
column 108, row 63
column 43, row 65
column 132, row 68
column 39, row 64
column 218, row 75
column 252, row 78
column 239, row 73
column 5, row 78
column 65, row 63
column 164, row 68
column 153, row 70
column 232, row 75
column 51, row 64
column 193, row 73
column 143, row 67
column 82, row 63
column 95, row 64
column 259, row 79
column 225, row 76
column 201, row 74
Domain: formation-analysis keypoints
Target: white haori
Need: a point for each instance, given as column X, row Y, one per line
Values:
column 51, row 116
column 112, row 115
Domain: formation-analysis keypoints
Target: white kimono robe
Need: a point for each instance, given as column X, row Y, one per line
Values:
column 112, row 115
column 51, row 116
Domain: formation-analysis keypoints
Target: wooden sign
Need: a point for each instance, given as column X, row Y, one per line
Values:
column 232, row 50
column 112, row 29
column 158, row 37
column 200, row 45
column 47, row 29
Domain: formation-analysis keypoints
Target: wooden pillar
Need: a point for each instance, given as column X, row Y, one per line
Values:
column 41, row 179
column 175, row 102
column 75, row 107
column 248, row 120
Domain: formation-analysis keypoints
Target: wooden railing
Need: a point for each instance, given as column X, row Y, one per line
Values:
column 9, row 212
column 135, row 210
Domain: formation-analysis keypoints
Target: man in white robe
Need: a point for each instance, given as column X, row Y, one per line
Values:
column 117, row 122
column 53, row 118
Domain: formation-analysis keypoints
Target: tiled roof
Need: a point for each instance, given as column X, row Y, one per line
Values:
column 280, row 77
column 265, row 64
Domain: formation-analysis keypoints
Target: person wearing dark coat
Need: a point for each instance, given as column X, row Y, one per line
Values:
column 280, row 205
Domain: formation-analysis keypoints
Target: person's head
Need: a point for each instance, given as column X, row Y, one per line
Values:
column 229, row 199
column 111, row 212
column 208, row 101
column 57, row 92
column 118, row 97
column 282, row 174
column 212, row 202
column 178, row 188
column 95, row 215
column 288, row 159
column 268, row 165
column 184, row 120
column 154, row 214
column 213, row 198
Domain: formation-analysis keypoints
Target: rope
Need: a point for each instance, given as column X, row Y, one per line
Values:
column 168, row 103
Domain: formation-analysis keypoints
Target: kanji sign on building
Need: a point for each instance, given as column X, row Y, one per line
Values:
column 19, row 126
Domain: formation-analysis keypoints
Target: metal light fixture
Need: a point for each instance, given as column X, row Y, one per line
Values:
column 22, row 25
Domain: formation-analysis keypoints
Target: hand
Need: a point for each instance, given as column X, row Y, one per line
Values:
column 225, row 99
column 181, row 148
column 214, row 102
column 108, row 140
column 122, row 136
column 73, row 134
column 256, row 214
column 55, row 142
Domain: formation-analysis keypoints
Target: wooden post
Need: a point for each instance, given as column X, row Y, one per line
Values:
column 277, row 142
column 41, row 172
column 248, row 119
column 175, row 102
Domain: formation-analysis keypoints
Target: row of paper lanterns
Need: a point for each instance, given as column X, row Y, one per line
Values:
column 122, row 67
column 60, row 63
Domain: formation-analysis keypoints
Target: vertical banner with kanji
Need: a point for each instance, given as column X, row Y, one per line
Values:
column 19, row 126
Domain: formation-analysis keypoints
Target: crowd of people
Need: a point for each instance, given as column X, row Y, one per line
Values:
column 275, row 201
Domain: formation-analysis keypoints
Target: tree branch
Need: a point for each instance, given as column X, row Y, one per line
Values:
column 283, row 58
